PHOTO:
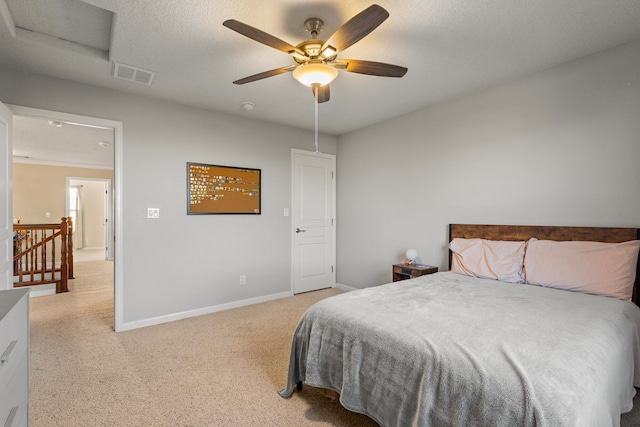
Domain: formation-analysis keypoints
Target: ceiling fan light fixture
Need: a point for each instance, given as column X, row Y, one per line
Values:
column 329, row 52
column 315, row 73
column 316, row 60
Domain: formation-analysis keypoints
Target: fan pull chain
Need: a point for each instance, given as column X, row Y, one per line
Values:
column 315, row 87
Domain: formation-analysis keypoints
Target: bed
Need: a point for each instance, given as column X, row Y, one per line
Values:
column 449, row 349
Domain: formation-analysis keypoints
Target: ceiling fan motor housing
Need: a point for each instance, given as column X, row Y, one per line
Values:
column 312, row 48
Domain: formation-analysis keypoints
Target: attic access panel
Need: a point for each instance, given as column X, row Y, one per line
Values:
column 69, row 20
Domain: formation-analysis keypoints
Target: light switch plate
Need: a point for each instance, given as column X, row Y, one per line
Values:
column 153, row 213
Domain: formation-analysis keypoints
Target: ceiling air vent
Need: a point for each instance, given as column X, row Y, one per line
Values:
column 133, row 74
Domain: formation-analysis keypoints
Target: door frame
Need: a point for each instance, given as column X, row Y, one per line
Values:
column 6, row 227
column 118, row 276
column 108, row 210
column 332, row 157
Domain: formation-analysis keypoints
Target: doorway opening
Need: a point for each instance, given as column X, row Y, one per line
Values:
column 91, row 211
column 108, row 179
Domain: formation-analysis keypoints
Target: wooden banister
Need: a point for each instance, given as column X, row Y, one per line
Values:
column 70, row 247
column 32, row 246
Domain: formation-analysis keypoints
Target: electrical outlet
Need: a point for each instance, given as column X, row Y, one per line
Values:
column 243, row 279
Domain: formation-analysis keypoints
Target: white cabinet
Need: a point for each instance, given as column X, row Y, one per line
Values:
column 14, row 358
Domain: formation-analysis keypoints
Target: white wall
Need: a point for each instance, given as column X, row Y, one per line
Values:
column 93, row 195
column 94, row 214
column 181, row 263
column 560, row 147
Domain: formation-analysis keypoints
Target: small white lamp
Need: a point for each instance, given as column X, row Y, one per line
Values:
column 411, row 256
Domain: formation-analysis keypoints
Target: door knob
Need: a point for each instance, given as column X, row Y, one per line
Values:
column 300, row 231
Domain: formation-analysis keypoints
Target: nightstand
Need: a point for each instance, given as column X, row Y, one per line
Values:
column 411, row 271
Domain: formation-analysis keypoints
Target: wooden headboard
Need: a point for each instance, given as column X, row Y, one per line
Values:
column 559, row 233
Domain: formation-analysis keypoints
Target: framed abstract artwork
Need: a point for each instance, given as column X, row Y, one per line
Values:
column 216, row 189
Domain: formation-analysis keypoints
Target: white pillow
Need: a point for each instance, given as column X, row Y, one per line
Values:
column 488, row 259
column 598, row 268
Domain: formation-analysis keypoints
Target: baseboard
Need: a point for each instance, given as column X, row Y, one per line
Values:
column 127, row 326
column 40, row 290
column 346, row 288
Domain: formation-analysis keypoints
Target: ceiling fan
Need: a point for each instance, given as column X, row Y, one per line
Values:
column 316, row 60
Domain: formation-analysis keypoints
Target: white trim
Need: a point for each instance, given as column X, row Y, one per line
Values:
column 118, row 212
column 6, row 198
column 201, row 311
column 41, row 290
column 117, row 191
column 346, row 288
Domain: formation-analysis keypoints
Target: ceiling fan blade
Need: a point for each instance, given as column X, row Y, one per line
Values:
column 264, row 75
column 371, row 68
column 323, row 93
column 356, row 28
column 262, row 37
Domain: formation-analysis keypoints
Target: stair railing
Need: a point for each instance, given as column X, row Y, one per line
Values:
column 43, row 253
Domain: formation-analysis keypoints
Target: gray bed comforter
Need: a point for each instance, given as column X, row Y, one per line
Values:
column 451, row 350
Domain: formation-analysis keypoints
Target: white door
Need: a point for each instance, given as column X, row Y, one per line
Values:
column 313, row 220
column 6, row 199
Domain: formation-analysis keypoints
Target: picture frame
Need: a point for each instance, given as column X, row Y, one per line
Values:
column 223, row 190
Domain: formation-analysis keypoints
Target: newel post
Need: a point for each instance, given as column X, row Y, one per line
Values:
column 70, row 247
column 64, row 266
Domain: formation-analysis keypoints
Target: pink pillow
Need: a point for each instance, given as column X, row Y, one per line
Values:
column 598, row 268
column 488, row 259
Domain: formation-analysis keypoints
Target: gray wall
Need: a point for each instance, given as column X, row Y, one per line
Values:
column 559, row 147
column 180, row 263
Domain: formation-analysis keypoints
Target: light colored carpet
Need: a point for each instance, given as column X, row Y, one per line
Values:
column 222, row 369
column 88, row 254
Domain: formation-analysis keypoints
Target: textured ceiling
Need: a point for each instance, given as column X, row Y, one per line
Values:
column 451, row 47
